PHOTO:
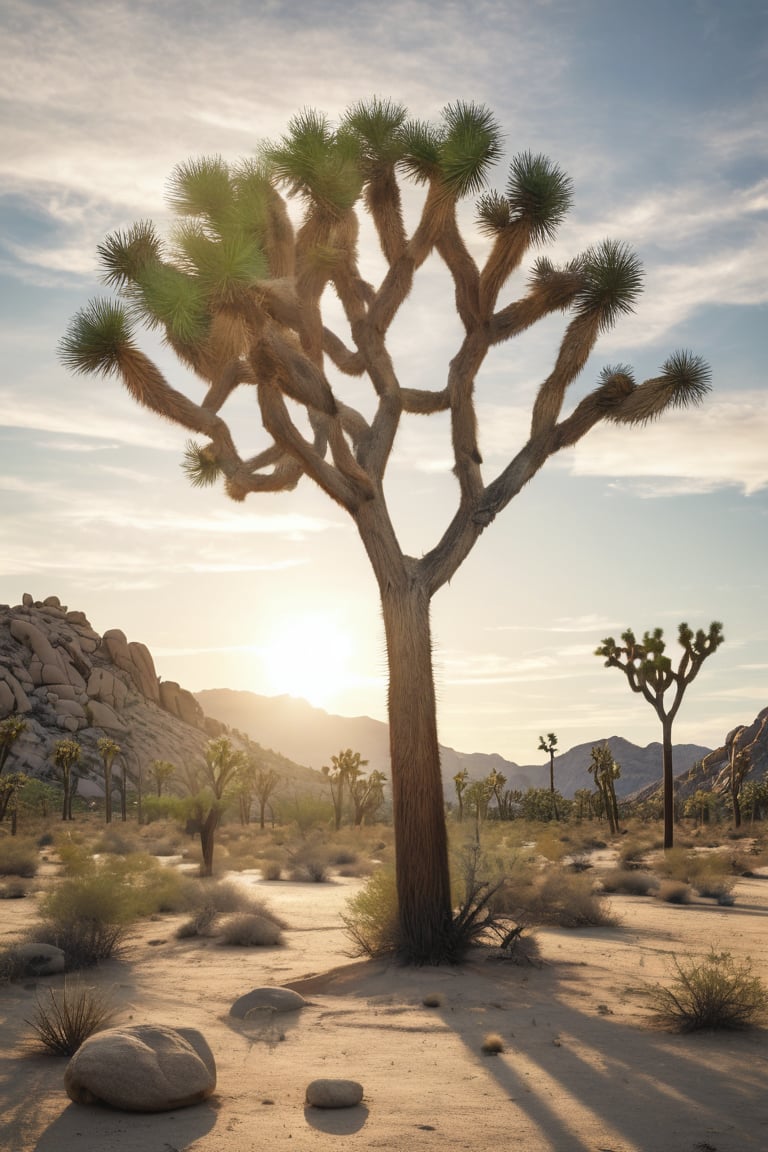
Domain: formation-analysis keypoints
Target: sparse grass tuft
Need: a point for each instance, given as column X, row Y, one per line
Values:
column 716, row 992
column 66, row 1017
column 493, row 1044
column 433, row 1000
column 629, row 882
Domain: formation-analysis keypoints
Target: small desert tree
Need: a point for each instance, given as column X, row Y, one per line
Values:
column 161, row 772
column 605, row 770
column 548, row 745
column 366, row 794
column 739, row 763
column 460, row 781
column 108, row 749
column 342, row 770
column 66, row 755
column 221, row 763
column 10, row 730
column 649, row 671
column 239, row 295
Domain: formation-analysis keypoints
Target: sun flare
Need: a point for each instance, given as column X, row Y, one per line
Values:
column 308, row 656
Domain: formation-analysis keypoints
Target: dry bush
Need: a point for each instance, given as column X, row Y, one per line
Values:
column 15, row 889
column 629, row 882
column 674, row 892
column 12, row 966
column 632, row 853
column 673, row 864
column 87, row 917
column 18, row 857
column 492, row 1044
column 249, row 930
column 553, row 896
column 119, row 840
column 201, row 924
column 370, row 920
column 271, row 870
column 65, row 1018
column 716, row 992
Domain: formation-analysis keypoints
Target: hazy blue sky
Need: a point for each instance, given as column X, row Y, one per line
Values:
column 658, row 112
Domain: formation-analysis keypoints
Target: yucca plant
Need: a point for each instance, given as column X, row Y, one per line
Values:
column 67, row 1016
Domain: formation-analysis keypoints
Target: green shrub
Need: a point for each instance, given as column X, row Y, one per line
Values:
column 66, row 1017
column 249, row 930
column 370, row 919
column 716, row 992
column 18, row 857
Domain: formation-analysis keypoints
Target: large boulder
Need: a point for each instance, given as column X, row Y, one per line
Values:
column 142, row 1068
column 40, row 959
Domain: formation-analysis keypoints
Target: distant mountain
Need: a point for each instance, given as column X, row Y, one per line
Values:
column 311, row 736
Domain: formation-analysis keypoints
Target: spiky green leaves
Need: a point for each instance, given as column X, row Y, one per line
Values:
column 317, row 164
column 97, row 337
column 459, row 153
column 684, row 381
column 200, row 464
column 222, row 267
column 125, row 256
column 377, row 125
column 612, row 281
column 540, row 193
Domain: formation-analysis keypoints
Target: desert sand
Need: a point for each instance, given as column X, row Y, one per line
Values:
column 583, row 1068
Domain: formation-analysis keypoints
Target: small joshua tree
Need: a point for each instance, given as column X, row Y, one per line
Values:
column 605, row 770
column 66, row 754
column 108, row 749
column 549, row 745
column 649, row 671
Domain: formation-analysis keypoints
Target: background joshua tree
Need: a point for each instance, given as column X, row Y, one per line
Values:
column 238, row 294
column 605, row 770
column 108, row 749
column 161, row 771
column 66, row 754
column 548, row 745
column 219, row 771
column 342, row 770
column 461, row 780
column 10, row 730
column 650, row 673
column 740, row 762
column 366, row 794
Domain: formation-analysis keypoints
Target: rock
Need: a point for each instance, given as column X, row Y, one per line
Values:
column 27, row 600
column 334, row 1093
column 142, row 1068
column 179, row 702
column 37, row 642
column 276, row 999
column 52, row 602
column 41, row 959
column 101, row 716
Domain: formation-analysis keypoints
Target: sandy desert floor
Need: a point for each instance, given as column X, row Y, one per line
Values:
column 583, row 1069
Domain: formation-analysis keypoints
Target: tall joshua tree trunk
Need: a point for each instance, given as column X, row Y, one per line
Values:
column 423, row 885
column 668, row 778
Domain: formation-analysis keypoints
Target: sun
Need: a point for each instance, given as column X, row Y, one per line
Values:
column 307, row 656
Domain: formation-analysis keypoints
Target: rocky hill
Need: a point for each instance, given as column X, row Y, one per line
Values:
column 311, row 736
column 66, row 680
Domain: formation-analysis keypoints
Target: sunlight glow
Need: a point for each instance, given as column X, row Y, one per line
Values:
column 308, row 656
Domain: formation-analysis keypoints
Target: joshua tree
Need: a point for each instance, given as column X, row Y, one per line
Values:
column 366, row 794
column 342, row 770
column 496, row 782
column 548, row 745
column 605, row 770
column 650, row 673
column 221, row 764
column 108, row 749
column 10, row 730
column 161, row 771
column 238, row 296
column 66, row 754
column 460, row 780
column 740, row 762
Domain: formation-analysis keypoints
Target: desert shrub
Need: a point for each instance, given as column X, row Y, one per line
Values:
column 249, row 930
column 632, row 853
column 117, row 840
column 18, row 857
column 552, row 896
column 341, row 856
column 716, row 992
column 155, row 808
column 45, row 839
column 629, row 882
column 200, row 924
column 492, row 1044
column 12, row 966
column 66, row 1017
column 370, row 919
column 674, row 864
column 713, row 878
column 271, row 870
column 674, row 892
column 311, row 870
column 15, row 889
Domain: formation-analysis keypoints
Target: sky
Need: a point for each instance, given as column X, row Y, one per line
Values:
column 658, row 113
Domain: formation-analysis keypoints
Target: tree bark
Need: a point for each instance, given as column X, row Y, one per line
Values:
column 423, row 879
column 668, row 782
column 208, row 827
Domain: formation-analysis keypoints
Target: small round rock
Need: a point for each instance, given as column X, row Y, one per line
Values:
column 277, row 999
column 334, row 1093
